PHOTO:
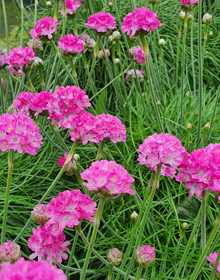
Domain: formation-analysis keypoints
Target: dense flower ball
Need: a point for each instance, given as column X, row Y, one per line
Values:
column 145, row 255
column 44, row 28
column 27, row 270
column 162, row 150
column 35, row 44
column 3, row 60
column 135, row 74
column 71, row 167
column 89, row 44
column 38, row 214
column 71, row 45
column 212, row 259
column 20, row 133
column 140, row 22
column 9, row 252
column 102, row 23
column 71, row 7
column 47, row 246
column 108, row 179
column 23, row 102
column 20, row 58
column 113, row 129
column 68, row 209
column 114, row 256
column 40, row 102
column 137, row 54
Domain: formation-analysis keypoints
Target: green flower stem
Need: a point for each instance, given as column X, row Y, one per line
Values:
column 214, row 269
column 74, row 71
column 90, row 7
column 56, row 9
column 205, row 41
column 178, row 56
column 72, row 252
column 5, row 24
column 144, row 219
column 56, row 131
column 29, row 82
column 100, row 150
column 146, row 52
column 42, row 79
column 22, row 22
column 200, row 68
column 2, row 97
column 85, row 62
column 203, row 219
column 183, row 68
column 205, row 252
column 69, row 157
column 5, row 211
column 74, row 27
column 189, row 244
column 138, row 275
column 93, row 237
column 110, row 272
column 64, row 17
column 192, row 59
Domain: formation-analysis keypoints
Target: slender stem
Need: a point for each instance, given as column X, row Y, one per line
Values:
column 192, row 59
column 85, row 61
column 110, row 272
column 205, row 41
column 72, row 250
column 35, row 11
column 69, row 157
column 74, row 27
column 42, row 79
column 100, row 150
column 5, row 211
column 177, row 56
column 6, row 24
column 56, row 9
column 22, row 22
column 64, row 17
column 91, row 7
column 138, row 275
column 73, row 71
column 29, row 82
column 94, row 233
column 203, row 220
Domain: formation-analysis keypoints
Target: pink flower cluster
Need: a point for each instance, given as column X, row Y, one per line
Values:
column 47, row 246
column 101, row 22
column 71, row 45
column 132, row 75
column 3, row 60
column 38, row 214
column 145, row 255
column 162, row 150
column 67, row 102
column 71, row 7
column 44, row 28
column 201, row 170
column 137, row 54
column 189, row 1
column 20, row 59
column 68, row 209
column 108, row 178
column 212, row 259
column 140, row 22
column 19, row 132
column 9, row 252
column 27, row 270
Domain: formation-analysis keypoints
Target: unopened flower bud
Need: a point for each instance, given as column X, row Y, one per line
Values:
column 207, row 18
column 145, row 255
column 190, row 17
column 211, row 33
column 38, row 214
column 114, row 257
column 182, row 15
column 38, row 62
column 185, row 226
column 187, row 93
column 35, row 44
column 117, row 230
column 101, row 54
column 158, row 103
column 76, row 157
column 9, row 252
column 189, row 126
column 162, row 42
column 48, row 4
column 207, row 126
column 116, row 61
column 134, row 216
column 110, row 4
column 115, row 37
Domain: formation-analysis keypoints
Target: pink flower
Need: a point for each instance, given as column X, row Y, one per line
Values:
column 186, row 2
column 71, row 7
column 71, row 45
column 132, row 75
column 38, row 214
column 114, row 256
column 44, row 28
column 101, row 22
column 41, row 101
column 62, row 160
column 137, row 54
column 23, row 270
column 108, row 178
column 2, row 81
column 113, row 129
column 47, row 246
column 67, row 102
column 3, row 60
column 68, row 209
column 20, row 58
column 20, row 133
column 71, row 167
column 162, row 149
column 23, row 102
column 212, row 259
column 145, row 255
column 140, row 22
column 9, row 252
column 87, row 128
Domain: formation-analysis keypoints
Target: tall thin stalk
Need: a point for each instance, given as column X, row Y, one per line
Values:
column 6, row 24
column 138, row 275
column 203, row 219
column 64, row 17
column 178, row 56
column 22, row 22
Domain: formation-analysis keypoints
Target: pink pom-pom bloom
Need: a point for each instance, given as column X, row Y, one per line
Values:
column 71, row 45
column 66, row 103
column 114, row 257
column 20, row 133
column 71, row 7
column 40, row 102
column 47, row 246
column 132, row 75
column 38, row 214
column 137, row 54
column 3, row 60
column 212, row 259
column 9, row 252
column 102, row 23
column 44, row 29
column 145, row 255
column 23, row 102
column 27, row 270
column 108, row 179
column 68, row 209
column 113, row 129
column 20, row 59
column 162, row 150
column 140, row 22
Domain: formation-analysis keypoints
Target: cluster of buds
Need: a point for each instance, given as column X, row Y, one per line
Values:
column 9, row 252
column 114, row 38
column 114, row 257
column 207, row 19
column 145, row 255
column 162, row 42
column 38, row 214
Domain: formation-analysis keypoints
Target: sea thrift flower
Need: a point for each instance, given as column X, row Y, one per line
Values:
column 35, row 44
column 71, row 167
column 23, row 102
column 162, row 150
column 71, row 7
column 108, row 179
column 140, row 22
column 40, row 102
column 102, row 55
column 68, row 209
column 114, row 257
column 113, row 129
column 212, row 259
column 20, row 133
column 2, row 81
column 38, row 214
column 102, row 23
column 9, row 252
column 47, row 246
column 27, row 270
column 134, row 74
column 21, row 58
column 207, row 18
column 162, row 42
column 71, row 45
column 145, row 255
column 66, row 103
column 3, row 60
column 137, row 54
column 89, row 44
column 44, row 29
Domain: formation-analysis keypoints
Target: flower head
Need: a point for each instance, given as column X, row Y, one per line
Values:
column 23, row 102
column 89, row 44
column 140, row 22
column 71, row 45
column 38, row 214
column 40, row 102
column 3, row 60
column 45, row 28
column 134, row 74
column 108, row 178
column 164, row 150
column 212, row 259
column 145, row 255
column 71, row 7
column 71, row 167
column 137, row 54
column 35, row 44
column 9, row 252
column 114, row 256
